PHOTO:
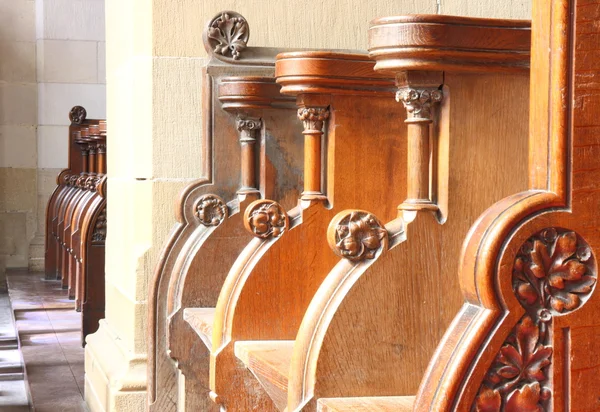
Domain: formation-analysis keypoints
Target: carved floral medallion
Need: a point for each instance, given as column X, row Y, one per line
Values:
column 228, row 34
column 265, row 218
column 211, row 210
column 554, row 273
column 77, row 115
column 358, row 235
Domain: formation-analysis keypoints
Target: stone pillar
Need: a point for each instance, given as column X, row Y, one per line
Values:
column 155, row 58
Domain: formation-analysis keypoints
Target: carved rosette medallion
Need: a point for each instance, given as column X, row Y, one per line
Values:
column 77, row 115
column 92, row 183
column 99, row 235
column 228, row 34
column 266, row 218
column 418, row 102
column 357, row 235
column 554, row 273
column 211, row 210
column 73, row 180
column 66, row 178
column 313, row 117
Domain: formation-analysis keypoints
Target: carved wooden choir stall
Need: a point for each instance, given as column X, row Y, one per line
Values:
column 76, row 220
column 408, row 228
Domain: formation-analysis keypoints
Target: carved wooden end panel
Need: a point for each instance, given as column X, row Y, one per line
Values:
column 526, row 340
column 247, row 153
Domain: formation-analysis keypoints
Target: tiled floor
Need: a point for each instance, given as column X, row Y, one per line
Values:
column 50, row 333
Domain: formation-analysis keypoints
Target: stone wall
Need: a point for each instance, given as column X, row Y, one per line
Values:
column 18, row 120
column 51, row 58
column 154, row 65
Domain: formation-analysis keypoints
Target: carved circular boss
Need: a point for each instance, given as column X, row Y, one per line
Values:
column 211, row 210
column 356, row 235
column 265, row 219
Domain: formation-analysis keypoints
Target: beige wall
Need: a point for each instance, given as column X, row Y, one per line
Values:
column 51, row 58
column 18, row 119
column 154, row 61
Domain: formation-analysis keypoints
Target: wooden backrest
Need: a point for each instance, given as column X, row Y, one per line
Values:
column 526, row 339
column 376, row 319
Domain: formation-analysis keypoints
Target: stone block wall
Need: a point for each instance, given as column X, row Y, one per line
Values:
column 52, row 57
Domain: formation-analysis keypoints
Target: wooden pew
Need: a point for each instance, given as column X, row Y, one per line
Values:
column 526, row 336
column 86, row 275
column 373, row 325
column 342, row 102
column 251, row 152
column 77, row 163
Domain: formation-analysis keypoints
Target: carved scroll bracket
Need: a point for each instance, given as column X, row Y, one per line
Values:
column 227, row 34
column 554, row 274
column 266, row 219
column 419, row 93
column 357, row 235
column 211, row 210
column 313, row 119
column 249, row 131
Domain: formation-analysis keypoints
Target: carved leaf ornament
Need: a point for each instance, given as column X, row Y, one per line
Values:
column 554, row 273
column 229, row 34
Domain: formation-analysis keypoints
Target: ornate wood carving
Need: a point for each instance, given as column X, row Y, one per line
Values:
column 518, row 380
column 211, row 210
column 419, row 93
column 99, row 235
column 266, row 218
column 357, row 235
column 313, row 118
column 228, row 34
column 554, row 273
column 248, row 129
column 77, row 115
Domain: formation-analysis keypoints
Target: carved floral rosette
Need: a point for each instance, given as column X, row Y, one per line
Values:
column 265, row 219
column 227, row 34
column 554, row 274
column 99, row 235
column 211, row 210
column 356, row 235
column 418, row 102
column 77, row 115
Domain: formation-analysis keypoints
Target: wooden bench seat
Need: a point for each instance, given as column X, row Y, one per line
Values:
column 373, row 404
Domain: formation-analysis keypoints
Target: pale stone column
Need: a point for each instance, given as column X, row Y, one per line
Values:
column 155, row 58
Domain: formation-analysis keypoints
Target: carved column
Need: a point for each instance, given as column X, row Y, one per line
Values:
column 249, row 129
column 101, row 147
column 419, row 93
column 83, row 146
column 313, row 119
